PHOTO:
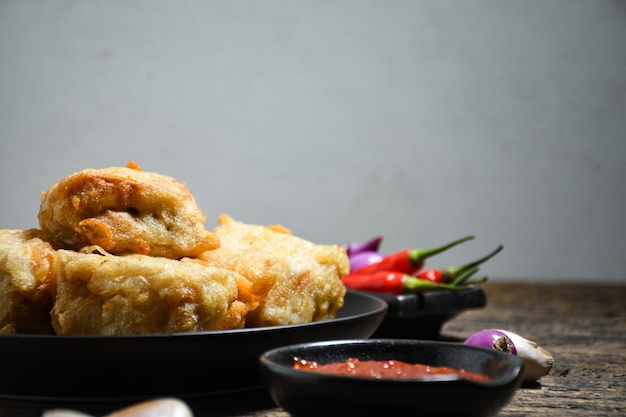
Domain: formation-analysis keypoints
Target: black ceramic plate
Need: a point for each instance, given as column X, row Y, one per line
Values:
column 421, row 316
column 183, row 364
column 305, row 393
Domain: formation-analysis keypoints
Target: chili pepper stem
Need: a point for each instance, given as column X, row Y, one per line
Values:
column 452, row 274
column 481, row 260
column 417, row 256
column 468, row 283
column 464, row 276
column 413, row 284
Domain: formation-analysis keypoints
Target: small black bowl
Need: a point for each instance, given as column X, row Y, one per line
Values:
column 305, row 393
column 421, row 315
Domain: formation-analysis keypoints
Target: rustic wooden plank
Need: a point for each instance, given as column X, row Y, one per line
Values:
column 583, row 326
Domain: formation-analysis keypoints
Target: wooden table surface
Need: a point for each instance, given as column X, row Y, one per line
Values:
column 583, row 326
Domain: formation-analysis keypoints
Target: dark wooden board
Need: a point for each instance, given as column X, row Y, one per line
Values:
column 582, row 326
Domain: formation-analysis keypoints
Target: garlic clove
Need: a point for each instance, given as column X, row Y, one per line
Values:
column 64, row 413
column 163, row 407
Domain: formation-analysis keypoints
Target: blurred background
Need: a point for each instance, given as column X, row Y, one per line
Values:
column 421, row 121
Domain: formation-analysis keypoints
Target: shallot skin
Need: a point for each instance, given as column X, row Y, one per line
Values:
column 492, row 339
column 537, row 361
column 371, row 245
column 364, row 258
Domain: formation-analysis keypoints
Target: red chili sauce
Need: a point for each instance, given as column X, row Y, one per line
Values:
column 385, row 369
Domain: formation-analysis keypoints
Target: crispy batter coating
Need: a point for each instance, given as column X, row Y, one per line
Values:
column 125, row 210
column 104, row 294
column 296, row 280
column 124, row 251
column 25, row 296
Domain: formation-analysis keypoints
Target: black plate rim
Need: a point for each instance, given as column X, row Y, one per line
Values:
column 383, row 307
column 360, row 312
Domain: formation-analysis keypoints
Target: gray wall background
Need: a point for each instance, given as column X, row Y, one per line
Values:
column 422, row 121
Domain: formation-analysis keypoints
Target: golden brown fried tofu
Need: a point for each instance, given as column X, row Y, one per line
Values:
column 104, row 294
column 25, row 296
column 297, row 281
column 125, row 210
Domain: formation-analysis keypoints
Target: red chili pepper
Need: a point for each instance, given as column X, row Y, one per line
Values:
column 408, row 260
column 396, row 282
column 385, row 282
column 456, row 273
column 434, row 275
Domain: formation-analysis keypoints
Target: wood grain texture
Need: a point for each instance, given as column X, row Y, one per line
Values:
column 583, row 326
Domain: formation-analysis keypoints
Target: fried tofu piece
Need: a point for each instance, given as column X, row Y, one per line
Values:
column 294, row 280
column 125, row 210
column 25, row 285
column 104, row 294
